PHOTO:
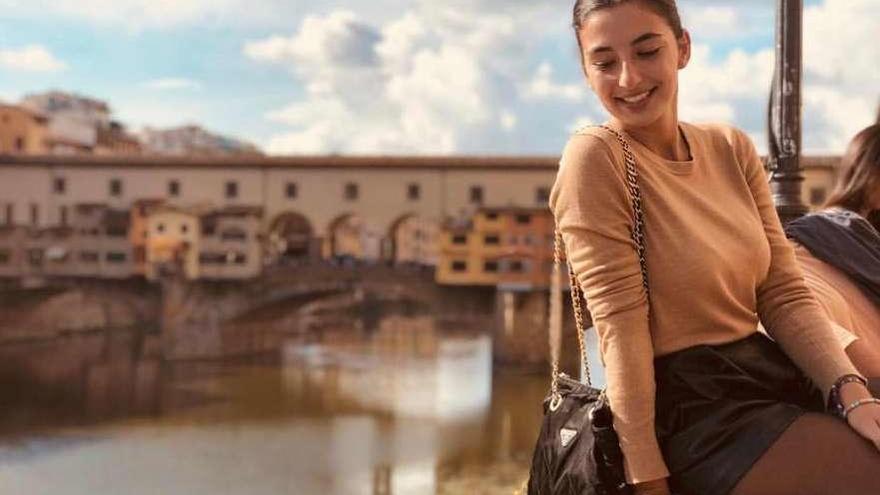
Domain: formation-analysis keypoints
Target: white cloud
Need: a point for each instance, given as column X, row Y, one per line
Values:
column 542, row 86
column 31, row 58
column 508, row 120
column 172, row 84
column 414, row 85
column 713, row 21
column 733, row 89
column 842, row 73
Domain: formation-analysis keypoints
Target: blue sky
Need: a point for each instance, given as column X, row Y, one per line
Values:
column 419, row 76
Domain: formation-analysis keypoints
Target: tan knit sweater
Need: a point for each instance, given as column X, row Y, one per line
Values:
column 717, row 261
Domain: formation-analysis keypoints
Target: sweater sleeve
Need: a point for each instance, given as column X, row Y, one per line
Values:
column 593, row 213
column 827, row 296
column 785, row 305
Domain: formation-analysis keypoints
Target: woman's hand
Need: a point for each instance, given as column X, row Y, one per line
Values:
column 865, row 419
column 656, row 487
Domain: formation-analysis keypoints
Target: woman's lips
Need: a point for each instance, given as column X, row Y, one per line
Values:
column 636, row 100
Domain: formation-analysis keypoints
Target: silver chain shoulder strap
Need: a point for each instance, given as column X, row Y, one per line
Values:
column 638, row 236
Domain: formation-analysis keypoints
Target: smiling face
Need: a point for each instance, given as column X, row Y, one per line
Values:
column 631, row 59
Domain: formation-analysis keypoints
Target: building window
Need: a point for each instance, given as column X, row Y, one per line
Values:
column 233, row 235
column 117, row 230
column 62, row 213
column 459, row 266
column 115, row 257
column 115, row 187
column 492, row 239
column 231, row 189
column 542, row 195
column 184, row 228
column 477, row 195
column 490, row 266
column 492, row 215
column 212, row 258
column 88, row 256
column 817, row 195
column 351, row 191
column 174, row 188
column 35, row 256
column 19, row 143
column 459, row 239
column 516, row 266
column 35, row 214
column 291, row 190
column 413, row 192
column 523, row 219
column 238, row 258
column 5, row 256
column 160, row 228
column 10, row 214
column 60, row 185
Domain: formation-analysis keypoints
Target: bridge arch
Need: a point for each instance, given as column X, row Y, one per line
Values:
column 291, row 236
column 349, row 237
column 412, row 238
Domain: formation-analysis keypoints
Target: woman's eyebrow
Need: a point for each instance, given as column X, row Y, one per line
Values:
column 644, row 37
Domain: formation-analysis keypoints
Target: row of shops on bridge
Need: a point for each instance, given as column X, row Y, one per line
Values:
column 510, row 246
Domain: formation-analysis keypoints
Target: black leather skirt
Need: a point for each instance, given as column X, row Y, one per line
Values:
column 719, row 408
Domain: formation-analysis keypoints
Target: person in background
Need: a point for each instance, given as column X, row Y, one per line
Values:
column 838, row 248
column 702, row 402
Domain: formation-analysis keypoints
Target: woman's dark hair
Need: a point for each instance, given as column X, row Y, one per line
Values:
column 859, row 172
column 664, row 8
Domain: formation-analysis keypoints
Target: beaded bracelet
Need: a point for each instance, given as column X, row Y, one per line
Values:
column 856, row 404
column 835, row 404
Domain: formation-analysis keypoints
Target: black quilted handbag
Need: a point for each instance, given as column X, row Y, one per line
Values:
column 577, row 451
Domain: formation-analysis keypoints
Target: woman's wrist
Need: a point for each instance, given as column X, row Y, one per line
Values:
column 846, row 390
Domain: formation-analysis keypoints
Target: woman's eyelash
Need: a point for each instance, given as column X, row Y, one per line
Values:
column 602, row 66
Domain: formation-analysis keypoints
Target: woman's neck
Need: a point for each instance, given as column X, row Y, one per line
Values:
column 663, row 138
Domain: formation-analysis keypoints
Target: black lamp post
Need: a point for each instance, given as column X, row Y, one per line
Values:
column 784, row 122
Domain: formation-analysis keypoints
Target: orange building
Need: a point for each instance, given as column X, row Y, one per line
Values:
column 510, row 247
column 22, row 131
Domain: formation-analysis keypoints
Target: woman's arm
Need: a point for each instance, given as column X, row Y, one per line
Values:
column 593, row 212
column 785, row 305
column 790, row 313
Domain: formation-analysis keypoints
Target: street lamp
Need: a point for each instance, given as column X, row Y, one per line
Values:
column 784, row 119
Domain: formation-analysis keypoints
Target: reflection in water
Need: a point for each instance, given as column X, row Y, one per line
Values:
column 408, row 410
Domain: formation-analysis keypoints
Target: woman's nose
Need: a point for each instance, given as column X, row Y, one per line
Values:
column 629, row 76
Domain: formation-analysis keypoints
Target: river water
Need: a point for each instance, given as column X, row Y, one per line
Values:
column 412, row 411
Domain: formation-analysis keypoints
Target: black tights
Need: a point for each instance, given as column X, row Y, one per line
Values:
column 816, row 455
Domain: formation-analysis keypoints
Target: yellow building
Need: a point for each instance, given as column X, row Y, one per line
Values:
column 172, row 241
column 507, row 246
column 22, row 131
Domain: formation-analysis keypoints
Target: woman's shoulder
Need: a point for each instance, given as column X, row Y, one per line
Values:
column 589, row 147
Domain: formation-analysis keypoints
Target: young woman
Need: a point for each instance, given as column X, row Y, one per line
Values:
column 839, row 251
column 700, row 398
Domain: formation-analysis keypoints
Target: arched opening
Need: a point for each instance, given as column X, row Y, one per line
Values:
column 291, row 237
column 346, row 239
column 412, row 239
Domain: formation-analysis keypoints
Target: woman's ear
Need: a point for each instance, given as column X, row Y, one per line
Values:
column 684, row 49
